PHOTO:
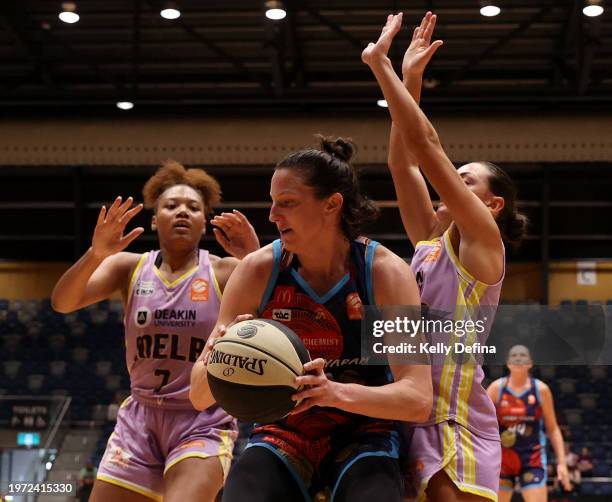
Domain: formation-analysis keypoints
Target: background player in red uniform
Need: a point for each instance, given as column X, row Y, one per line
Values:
column 524, row 408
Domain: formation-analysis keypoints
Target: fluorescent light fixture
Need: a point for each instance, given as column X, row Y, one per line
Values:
column 170, row 13
column 593, row 8
column 125, row 105
column 490, row 11
column 275, row 10
column 68, row 14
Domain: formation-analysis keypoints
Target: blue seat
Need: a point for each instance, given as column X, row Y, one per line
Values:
column 600, row 468
column 606, row 489
column 588, row 488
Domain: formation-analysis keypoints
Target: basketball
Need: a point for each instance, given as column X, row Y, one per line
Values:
column 252, row 370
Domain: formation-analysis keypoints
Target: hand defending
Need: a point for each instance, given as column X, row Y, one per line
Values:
column 108, row 237
column 240, row 238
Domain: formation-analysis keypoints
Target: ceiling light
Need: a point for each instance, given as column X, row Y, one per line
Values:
column 382, row 103
column 125, row 105
column 170, row 11
column 489, row 9
column 68, row 14
column 593, row 8
column 275, row 10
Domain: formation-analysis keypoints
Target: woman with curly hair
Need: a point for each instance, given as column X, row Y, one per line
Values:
column 161, row 446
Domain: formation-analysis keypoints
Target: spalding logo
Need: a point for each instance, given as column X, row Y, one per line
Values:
column 247, row 331
column 251, row 364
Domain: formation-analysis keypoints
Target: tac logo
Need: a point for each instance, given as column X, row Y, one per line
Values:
column 199, row 290
column 142, row 317
column 144, row 288
column 281, row 314
column 354, row 307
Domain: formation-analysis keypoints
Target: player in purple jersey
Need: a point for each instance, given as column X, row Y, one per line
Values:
column 459, row 264
column 524, row 407
column 161, row 446
column 343, row 437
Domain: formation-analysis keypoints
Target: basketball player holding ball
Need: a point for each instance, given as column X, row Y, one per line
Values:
column 459, row 264
column 524, row 408
column 161, row 447
column 343, row 437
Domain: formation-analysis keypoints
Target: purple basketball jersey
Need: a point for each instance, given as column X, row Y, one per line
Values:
column 446, row 286
column 166, row 327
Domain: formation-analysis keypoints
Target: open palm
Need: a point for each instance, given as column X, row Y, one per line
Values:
column 421, row 50
column 380, row 49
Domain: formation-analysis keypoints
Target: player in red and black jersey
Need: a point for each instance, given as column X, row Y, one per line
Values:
column 343, row 437
column 524, row 410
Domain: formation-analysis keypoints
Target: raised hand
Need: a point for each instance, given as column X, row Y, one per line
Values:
column 375, row 52
column 238, row 237
column 421, row 50
column 108, row 237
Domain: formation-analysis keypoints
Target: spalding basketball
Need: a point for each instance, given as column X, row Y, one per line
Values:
column 252, row 370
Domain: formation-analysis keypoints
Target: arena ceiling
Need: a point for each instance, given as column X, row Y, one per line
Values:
column 225, row 55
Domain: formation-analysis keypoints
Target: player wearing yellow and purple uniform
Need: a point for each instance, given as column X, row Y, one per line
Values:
column 459, row 264
column 162, row 448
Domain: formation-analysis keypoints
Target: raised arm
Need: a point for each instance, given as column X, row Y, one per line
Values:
column 416, row 209
column 409, row 397
column 104, row 268
column 251, row 275
column 472, row 217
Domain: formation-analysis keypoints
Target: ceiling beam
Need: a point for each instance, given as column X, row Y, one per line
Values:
column 213, row 47
column 16, row 21
column 136, row 38
column 474, row 61
column 332, row 25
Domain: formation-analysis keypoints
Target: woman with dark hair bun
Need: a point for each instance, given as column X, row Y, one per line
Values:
column 343, row 437
column 459, row 262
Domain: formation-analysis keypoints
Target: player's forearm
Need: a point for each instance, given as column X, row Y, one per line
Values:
column 395, row 401
column 413, row 81
column 68, row 293
column 556, row 440
column 399, row 156
column 199, row 391
column 415, row 129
